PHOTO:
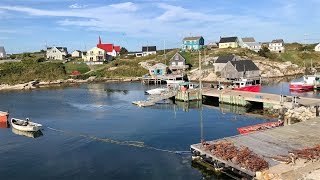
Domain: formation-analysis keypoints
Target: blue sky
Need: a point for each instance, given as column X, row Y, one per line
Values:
column 28, row 25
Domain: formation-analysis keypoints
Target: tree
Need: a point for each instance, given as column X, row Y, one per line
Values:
column 123, row 51
column 264, row 51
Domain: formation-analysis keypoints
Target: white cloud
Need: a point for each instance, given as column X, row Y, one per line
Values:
column 77, row 6
column 129, row 6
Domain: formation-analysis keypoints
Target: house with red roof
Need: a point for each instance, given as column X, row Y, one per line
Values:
column 109, row 48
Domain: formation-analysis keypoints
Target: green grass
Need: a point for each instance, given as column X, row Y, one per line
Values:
column 76, row 66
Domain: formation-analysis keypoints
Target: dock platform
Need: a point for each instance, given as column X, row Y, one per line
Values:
column 268, row 144
column 152, row 100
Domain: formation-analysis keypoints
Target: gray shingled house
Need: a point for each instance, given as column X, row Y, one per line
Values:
column 223, row 60
column 240, row 69
column 178, row 64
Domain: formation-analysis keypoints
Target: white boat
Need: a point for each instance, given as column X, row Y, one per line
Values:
column 156, row 91
column 25, row 125
column 174, row 83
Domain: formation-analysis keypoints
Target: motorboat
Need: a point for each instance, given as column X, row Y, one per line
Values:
column 308, row 83
column 156, row 91
column 246, row 85
column 25, row 125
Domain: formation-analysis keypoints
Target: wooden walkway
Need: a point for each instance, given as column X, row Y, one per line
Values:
column 260, row 97
column 152, row 100
column 270, row 143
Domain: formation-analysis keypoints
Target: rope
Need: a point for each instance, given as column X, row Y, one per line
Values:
column 138, row 144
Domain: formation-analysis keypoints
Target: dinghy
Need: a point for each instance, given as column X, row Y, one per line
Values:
column 25, row 125
column 30, row 134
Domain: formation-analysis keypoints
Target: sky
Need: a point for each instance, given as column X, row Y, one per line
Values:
column 31, row 25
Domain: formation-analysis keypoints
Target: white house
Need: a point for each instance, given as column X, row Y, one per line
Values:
column 149, row 50
column 250, row 43
column 2, row 52
column 277, row 45
column 76, row 53
column 57, row 53
column 95, row 56
column 317, row 48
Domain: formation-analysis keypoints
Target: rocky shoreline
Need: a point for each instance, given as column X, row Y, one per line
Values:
column 39, row 84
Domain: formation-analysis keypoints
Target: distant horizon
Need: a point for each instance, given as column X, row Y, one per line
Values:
column 28, row 25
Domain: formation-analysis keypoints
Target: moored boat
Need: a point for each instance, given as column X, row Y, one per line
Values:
column 25, row 125
column 259, row 127
column 246, row 85
column 156, row 91
column 309, row 82
column 4, row 116
column 4, row 125
column 31, row 134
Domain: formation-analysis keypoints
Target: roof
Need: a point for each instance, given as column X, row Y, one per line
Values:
column 192, row 38
column 77, row 51
column 116, row 48
column 177, row 57
column 228, row 39
column 248, row 39
column 59, row 48
column 106, row 47
column 149, row 48
column 277, row 41
column 159, row 65
column 225, row 59
column 245, row 65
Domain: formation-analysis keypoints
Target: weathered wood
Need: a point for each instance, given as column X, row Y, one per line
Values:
column 273, row 142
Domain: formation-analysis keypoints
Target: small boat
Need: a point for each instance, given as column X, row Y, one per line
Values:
column 156, row 91
column 25, row 125
column 308, row 83
column 4, row 125
column 259, row 127
column 31, row 134
column 4, row 116
column 246, row 85
column 174, row 83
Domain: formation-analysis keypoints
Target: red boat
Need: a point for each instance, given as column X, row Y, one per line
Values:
column 307, row 83
column 246, row 85
column 259, row 127
column 4, row 125
column 4, row 116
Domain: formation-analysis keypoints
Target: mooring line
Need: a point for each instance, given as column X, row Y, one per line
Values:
column 138, row 144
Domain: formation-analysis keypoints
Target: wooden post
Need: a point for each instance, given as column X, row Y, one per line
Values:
column 317, row 110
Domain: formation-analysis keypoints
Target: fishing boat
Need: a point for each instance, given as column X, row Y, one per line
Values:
column 4, row 116
column 259, row 127
column 308, row 83
column 4, row 125
column 25, row 125
column 246, row 85
column 156, row 91
column 31, row 134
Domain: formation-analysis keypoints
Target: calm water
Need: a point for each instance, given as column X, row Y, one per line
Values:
column 93, row 131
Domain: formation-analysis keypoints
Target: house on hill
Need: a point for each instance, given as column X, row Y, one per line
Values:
column 76, row 53
column 95, row 56
column 223, row 60
column 149, row 50
column 192, row 43
column 228, row 42
column 240, row 69
column 178, row 64
column 2, row 52
column 277, row 45
column 158, row 69
column 109, row 48
column 250, row 43
column 57, row 53
column 317, row 48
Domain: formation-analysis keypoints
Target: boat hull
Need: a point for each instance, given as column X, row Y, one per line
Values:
column 296, row 86
column 31, row 127
column 4, row 116
column 258, row 127
column 253, row 88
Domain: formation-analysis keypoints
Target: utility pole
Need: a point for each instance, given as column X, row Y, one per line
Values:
column 200, row 72
column 164, row 51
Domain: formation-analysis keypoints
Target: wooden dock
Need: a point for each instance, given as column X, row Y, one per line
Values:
column 243, row 98
column 268, row 144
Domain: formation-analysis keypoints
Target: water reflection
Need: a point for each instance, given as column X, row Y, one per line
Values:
column 27, row 133
column 4, row 124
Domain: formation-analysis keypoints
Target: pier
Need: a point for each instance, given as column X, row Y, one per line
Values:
column 242, row 98
column 268, row 144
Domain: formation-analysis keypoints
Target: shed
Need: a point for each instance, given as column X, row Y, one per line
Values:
column 240, row 69
column 158, row 69
column 223, row 60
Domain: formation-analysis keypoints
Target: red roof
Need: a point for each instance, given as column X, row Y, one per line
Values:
column 106, row 47
column 116, row 48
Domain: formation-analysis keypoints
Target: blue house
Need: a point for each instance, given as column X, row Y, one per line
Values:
column 192, row 43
